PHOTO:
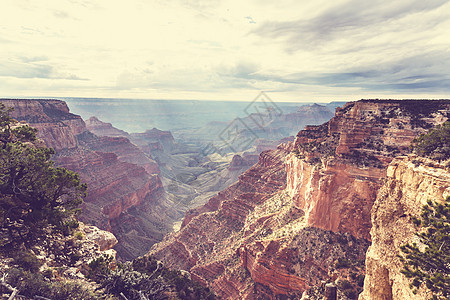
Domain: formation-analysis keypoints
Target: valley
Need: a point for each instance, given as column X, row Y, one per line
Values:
column 255, row 214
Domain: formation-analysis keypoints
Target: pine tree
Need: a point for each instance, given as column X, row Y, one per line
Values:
column 33, row 192
column 428, row 262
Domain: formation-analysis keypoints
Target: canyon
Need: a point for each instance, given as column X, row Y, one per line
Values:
column 140, row 184
column 333, row 204
column 302, row 214
column 125, row 192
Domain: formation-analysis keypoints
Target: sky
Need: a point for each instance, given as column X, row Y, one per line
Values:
column 225, row 50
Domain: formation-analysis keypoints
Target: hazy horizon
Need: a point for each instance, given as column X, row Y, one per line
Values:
column 138, row 115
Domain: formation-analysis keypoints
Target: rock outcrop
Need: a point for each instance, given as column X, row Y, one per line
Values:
column 318, row 190
column 56, row 125
column 104, row 239
column 336, row 168
column 239, row 162
column 409, row 184
column 123, row 182
column 154, row 140
column 100, row 128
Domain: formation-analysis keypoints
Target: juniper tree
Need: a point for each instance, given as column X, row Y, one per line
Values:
column 32, row 191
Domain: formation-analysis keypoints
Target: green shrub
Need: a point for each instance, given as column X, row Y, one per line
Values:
column 435, row 144
column 48, row 273
column 27, row 261
column 32, row 191
column 35, row 284
column 78, row 235
column 99, row 267
column 342, row 263
column 429, row 263
column 147, row 276
column 345, row 285
column 360, row 280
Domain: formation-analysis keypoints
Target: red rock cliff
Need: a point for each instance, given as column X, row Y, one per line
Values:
column 57, row 126
column 123, row 182
column 99, row 128
column 336, row 169
column 284, row 226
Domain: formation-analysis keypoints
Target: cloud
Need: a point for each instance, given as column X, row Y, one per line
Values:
column 424, row 72
column 247, row 70
column 345, row 20
column 61, row 14
column 33, row 59
column 250, row 20
column 212, row 48
column 29, row 68
column 242, row 75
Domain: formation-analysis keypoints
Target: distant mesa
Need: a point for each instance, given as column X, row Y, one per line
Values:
column 94, row 125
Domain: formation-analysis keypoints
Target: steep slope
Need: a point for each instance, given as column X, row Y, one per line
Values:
column 125, row 194
column 270, row 233
column 336, row 168
column 410, row 182
column 186, row 173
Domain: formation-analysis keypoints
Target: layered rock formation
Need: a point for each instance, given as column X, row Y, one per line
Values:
column 56, row 125
column 335, row 171
column 100, row 128
column 123, row 182
column 318, row 190
column 409, row 184
column 250, row 241
column 154, row 140
column 189, row 176
column 122, row 147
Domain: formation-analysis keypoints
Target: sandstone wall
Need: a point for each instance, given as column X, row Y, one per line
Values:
column 335, row 196
column 409, row 184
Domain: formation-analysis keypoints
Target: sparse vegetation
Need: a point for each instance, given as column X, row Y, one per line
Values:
column 99, row 268
column 342, row 263
column 325, row 147
column 38, row 205
column 31, row 284
column 435, row 144
column 33, row 192
column 27, row 261
column 363, row 159
column 147, row 277
column 428, row 263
